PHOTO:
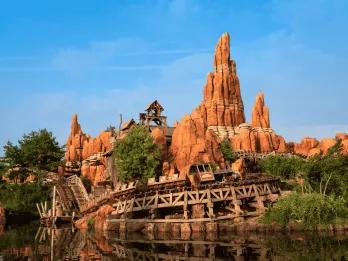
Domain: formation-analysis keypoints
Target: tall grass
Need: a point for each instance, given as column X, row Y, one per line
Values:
column 309, row 209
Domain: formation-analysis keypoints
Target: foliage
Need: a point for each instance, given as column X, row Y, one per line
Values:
column 309, row 209
column 227, row 151
column 328, row 174
column 283, row 167
column 137, row 157
column 37, row 150
column 3, row 168
column 90, row 224
column 21, row 198
column 324, row 174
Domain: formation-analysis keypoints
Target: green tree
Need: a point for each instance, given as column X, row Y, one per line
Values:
column 227, row 151
column 137, row 157
column 36, row 150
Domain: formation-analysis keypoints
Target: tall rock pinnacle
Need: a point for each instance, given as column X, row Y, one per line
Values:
column 260, row 114
column 222, row 97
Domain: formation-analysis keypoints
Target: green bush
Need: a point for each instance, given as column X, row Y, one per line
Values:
column 328, row 174
column 283, row 167
column 227, row 151
column 309, row 209
column 137, row 157
column 20, row 199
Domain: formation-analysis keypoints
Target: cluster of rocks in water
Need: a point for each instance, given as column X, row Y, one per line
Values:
column 196, row 137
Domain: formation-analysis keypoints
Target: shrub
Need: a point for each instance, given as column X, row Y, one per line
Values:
column 309, row 209
column 283, row 167
column 90, row 224
column 21, row 198
column 227, row 151
column 328, row 174
column 137, row 157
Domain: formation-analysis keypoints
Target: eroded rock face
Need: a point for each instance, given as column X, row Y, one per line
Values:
column 97, row 218
column 222, row 104
column 193, row 143
column 309, row 147
column 260, row 113
column 85, row 154
column 159, row 138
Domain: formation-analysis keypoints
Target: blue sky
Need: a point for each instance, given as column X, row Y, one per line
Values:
column 102, row 58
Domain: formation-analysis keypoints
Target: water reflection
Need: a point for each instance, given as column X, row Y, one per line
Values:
column 28, row 243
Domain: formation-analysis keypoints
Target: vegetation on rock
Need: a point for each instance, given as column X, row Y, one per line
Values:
column 137, row 157
column 227, row 151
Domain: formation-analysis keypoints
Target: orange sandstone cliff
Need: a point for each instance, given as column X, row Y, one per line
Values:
column 309, row 147
column 85, row 153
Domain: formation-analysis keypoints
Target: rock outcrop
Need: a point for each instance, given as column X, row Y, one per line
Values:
column 257, row 136
column 260, row 113
column 85, row 154
column 193, row 143
column 309, row 147
column 222, row 104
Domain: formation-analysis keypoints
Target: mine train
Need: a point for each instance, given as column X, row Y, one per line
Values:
column 199, row 176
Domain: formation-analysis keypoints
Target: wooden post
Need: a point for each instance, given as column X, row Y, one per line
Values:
column 185, row 205
column 54, row 202
column 210, row 205
column 38, row 209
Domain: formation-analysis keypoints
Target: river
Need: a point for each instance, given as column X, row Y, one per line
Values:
column 31, row 243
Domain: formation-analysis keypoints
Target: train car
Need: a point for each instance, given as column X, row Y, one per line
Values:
column 167, row 183
column 200, row 174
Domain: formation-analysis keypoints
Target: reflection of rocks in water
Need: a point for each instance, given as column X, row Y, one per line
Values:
column 67, row 244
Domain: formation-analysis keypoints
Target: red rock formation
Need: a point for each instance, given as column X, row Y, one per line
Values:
column 75, row 141
column 260, row 113
column 86, row 152
column 222, row 104
column 159, row 138
column 311, row 146
column 305, row 146
column 192, row 143
column 221, row 114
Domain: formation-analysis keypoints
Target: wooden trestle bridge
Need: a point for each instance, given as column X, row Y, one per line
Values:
column 243, row 198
